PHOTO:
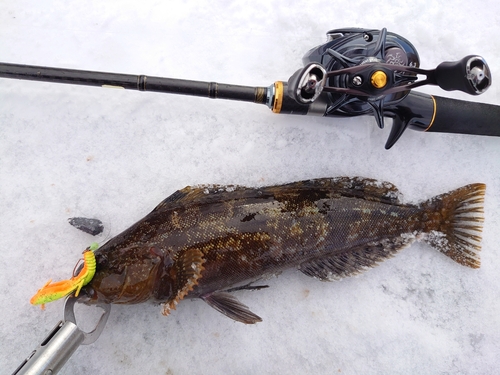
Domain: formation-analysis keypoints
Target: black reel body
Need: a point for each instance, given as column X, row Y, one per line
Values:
column 365, row 71
column 355, row 46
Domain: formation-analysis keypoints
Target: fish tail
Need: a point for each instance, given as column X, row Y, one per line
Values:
column 456, row 223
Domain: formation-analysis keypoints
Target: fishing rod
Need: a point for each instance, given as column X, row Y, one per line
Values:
column 356, row 72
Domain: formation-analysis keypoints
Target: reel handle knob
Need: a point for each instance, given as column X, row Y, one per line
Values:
column 471, row 75
column 306, row 84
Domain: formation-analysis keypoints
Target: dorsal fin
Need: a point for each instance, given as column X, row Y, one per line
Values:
column 351, row 262
column 369, row 189
column 197, row 193
column 356, row 187
column 178, row 196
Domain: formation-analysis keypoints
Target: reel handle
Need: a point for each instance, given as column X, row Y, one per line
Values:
column 471, row 75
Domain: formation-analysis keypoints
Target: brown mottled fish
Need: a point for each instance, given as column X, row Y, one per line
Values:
column 207, row 242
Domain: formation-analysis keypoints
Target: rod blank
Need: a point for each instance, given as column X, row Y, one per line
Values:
column 212, row 90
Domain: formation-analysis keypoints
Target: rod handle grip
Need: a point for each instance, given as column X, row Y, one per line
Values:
column 463, row 117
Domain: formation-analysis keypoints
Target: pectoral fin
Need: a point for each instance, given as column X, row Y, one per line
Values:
column 188, row 269
column 229, row 305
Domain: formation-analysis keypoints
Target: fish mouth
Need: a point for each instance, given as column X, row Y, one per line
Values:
column 88, row 296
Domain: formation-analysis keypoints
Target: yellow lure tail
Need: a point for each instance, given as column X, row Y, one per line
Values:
column 53, row 291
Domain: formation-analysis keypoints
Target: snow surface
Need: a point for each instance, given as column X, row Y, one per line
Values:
column 69, row 151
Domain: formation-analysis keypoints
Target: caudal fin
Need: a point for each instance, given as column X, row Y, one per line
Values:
column 456, row 224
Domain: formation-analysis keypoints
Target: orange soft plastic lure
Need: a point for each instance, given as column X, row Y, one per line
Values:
column 53, row 291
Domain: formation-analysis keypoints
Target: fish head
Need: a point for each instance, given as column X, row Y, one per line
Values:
column 131, row 275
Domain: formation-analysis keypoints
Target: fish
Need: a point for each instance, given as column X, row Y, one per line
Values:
column 210, row 241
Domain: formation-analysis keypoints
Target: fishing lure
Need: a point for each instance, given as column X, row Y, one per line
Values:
column 53, row 291
column 209, row 241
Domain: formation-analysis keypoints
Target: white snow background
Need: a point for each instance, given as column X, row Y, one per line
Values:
column 69, row 151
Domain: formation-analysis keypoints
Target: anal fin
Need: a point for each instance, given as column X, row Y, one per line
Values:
column 351, row 262
column 229, row 305
column 188, row 268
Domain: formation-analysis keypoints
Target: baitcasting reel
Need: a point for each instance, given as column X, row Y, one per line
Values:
column 360, row 71
column 357, row 72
